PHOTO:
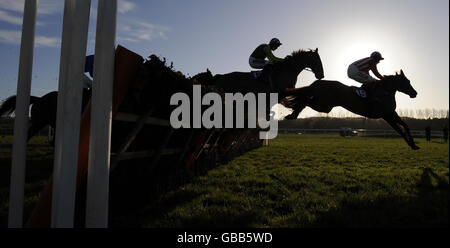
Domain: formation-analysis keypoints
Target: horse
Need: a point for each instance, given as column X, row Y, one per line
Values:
column 43, row 110
column 283, row 75
column 324, row 95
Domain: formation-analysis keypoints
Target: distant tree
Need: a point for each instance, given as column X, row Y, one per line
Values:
column 411, row 113
column 427, row 113
column 442, row 113
column 419, row 114
column 434, row 113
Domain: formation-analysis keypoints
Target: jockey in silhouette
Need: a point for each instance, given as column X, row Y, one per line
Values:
column 359, row 71
column 258, row 60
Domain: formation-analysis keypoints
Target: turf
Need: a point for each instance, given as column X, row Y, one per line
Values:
column 39, row 168
column 315, row 181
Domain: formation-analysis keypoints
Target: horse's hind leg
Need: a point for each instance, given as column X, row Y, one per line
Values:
column 302, row 98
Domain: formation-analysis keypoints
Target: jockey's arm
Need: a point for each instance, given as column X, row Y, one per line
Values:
column 376, row 73
column 272, row 58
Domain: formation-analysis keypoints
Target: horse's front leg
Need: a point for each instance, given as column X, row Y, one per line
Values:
column 297, row 109
column 394, row 124
column 408, row 133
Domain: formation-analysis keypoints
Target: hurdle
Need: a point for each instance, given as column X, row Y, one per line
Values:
column 67, row 157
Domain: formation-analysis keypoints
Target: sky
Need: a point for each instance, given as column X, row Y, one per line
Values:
column 412, row 35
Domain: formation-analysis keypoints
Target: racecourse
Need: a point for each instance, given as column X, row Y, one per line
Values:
column 297, row 181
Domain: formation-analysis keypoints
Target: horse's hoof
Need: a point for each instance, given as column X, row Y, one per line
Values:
column 414, row 147
column 289, row 117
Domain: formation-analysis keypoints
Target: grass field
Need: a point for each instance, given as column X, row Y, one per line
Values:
column 39, row 168
column 298, row 181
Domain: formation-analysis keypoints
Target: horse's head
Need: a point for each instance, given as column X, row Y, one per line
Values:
column 309, row 60
column 315, row 63
column 404, row 85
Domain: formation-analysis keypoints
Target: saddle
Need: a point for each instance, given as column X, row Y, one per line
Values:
column 360, row 91
column 369, row 91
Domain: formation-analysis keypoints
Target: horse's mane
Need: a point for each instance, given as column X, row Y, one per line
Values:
column 298, row 53
column 389, row 81
column 389, row 78
column 294, row 56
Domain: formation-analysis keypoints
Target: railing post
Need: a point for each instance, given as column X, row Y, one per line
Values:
column 100, row 136
column 16, row 195
column 73, row 53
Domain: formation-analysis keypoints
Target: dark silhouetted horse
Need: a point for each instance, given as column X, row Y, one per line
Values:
column 323, row 96
column 283, row 75
column 43, row 110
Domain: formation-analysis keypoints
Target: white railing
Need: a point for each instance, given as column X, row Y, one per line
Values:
column 73, row 53
column 16, row 195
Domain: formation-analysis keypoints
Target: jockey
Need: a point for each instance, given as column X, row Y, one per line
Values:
column 258, row 60
column 359, row 70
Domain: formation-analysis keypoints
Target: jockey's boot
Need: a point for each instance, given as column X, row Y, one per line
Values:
column 370, row 91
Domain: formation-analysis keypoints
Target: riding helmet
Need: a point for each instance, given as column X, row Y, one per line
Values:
column 275, row 41
column 376, row 55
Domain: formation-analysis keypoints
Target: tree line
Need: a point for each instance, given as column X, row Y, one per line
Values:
column 436, row 124
column 427, row 113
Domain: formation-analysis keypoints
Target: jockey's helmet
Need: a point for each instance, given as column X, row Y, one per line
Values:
column 376, row 55
column 275, row 41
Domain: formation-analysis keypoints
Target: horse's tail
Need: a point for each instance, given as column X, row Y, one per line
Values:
column 290, row 101
column 293, row 98
column 9, row 105
column 298, row 96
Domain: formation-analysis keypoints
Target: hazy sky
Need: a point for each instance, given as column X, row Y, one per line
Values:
column 220, row 35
